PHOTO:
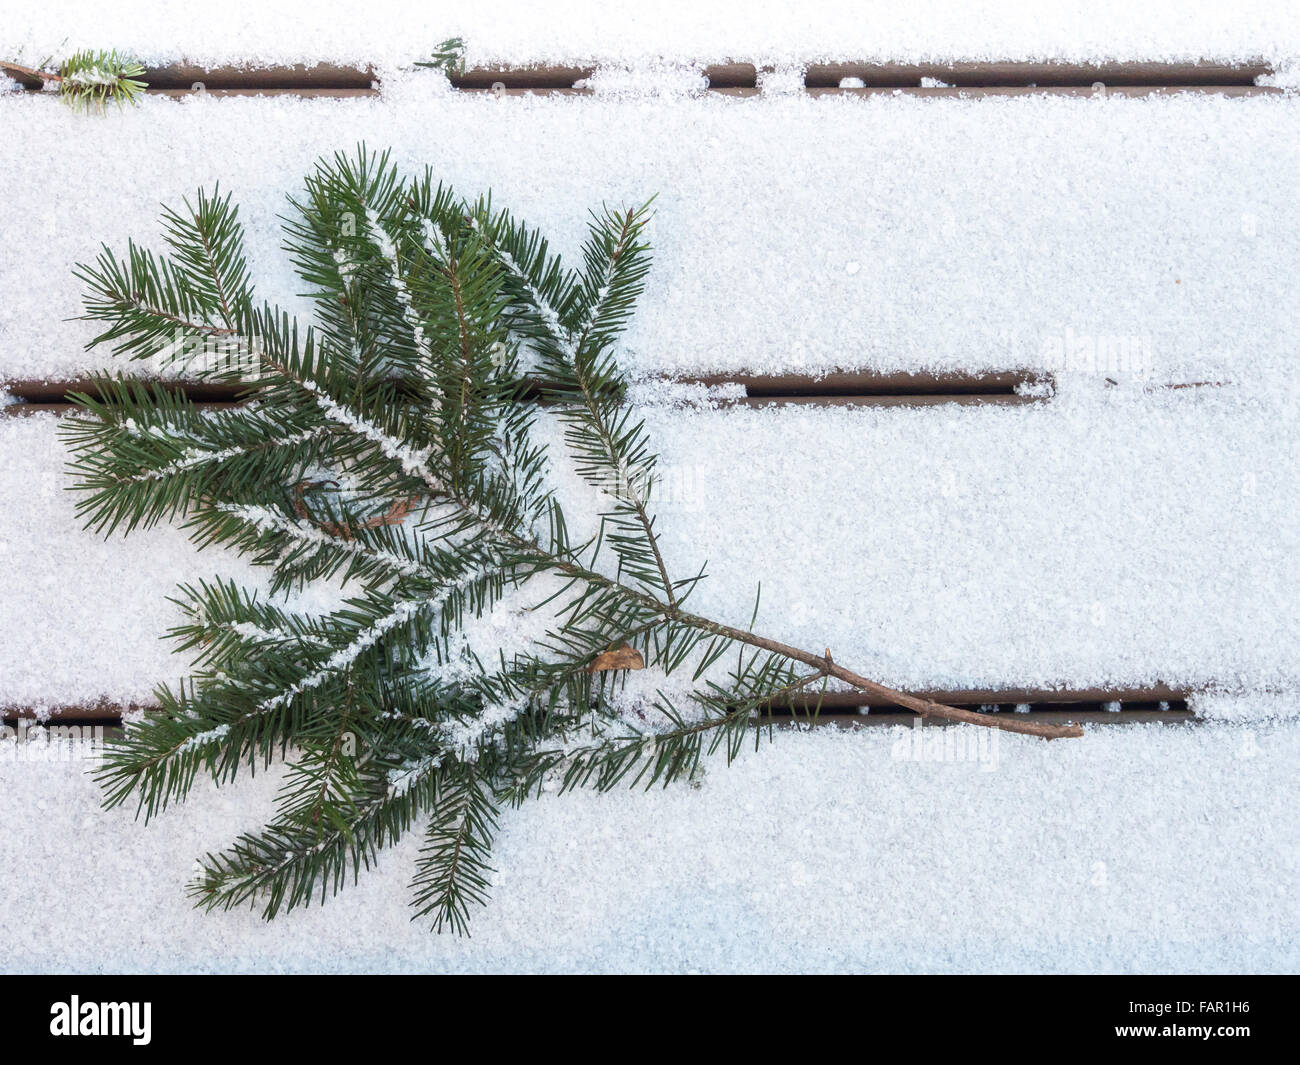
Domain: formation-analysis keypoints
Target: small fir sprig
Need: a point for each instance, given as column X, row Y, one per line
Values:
column 449, row 57
column 388, row 449
column 87, row 79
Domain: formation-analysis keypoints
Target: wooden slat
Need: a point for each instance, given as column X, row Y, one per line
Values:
column 919, row 400
column 993, row 92
column 744, row 75
column 833, row 719
column 1074, row 91
column 300, row 94
column 1047, row 717
column 25, row 410
column 840, row 389
column 870, row 383
column 100, row 711
column 834, row 389
column 56, row 390
column 731, row 75
column 522, row 78
column 321, row 76
column 1077, row 92
column 532, row 79
column 841, row 708
column 968, row 79
column 869, row 389
column 1039, row 697
column 987, row 75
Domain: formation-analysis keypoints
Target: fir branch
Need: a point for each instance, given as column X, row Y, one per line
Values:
column 387, row 447
column 293, row 860
column 449, row 57
column 453, row 871
column 87, row 79
column 207, row 243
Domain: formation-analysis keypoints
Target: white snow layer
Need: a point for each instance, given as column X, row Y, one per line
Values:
column 791, row 233
column 1134, row 849
column 1113, row 535
column 1105, row 537
column 392, row 33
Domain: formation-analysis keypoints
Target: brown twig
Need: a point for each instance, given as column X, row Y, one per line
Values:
column 394, row 515
column 828, row 667
column 28, row 75
column 825, row 665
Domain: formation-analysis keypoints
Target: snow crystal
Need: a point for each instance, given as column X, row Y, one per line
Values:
column 1243, row 708
column 203, row 739
column 780, row 80
column 647, row 79
column 388, row 250
column 197, row 456
column 269, row 520
column 1285, row 76
column 402, row 778
column 414, row 462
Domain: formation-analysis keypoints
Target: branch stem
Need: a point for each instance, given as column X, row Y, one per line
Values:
column 28, row 74
column 824, row 664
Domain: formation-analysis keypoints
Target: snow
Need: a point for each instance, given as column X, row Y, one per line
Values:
column 1117, row 533
column 1109, row 536
column 1135, row 849
column 392, row 33
column 989, row 233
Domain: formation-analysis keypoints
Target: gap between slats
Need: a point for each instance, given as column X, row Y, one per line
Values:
column 1158, row 704
column 838, row 389
column 835, row 389
column 973, row 79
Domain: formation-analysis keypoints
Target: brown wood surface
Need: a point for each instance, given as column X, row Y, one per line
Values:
column 297, row 76
column 1056, row 706
column 919, row 400
column 973, row 79
column 55, row 390
column 1132, row 91
column 301, row 94
column 870, row 382
column 863, row 388
column 1077, row 91
column 541, row 77
column 1053, row 73
column 1088, row 718
column 1155, row 693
